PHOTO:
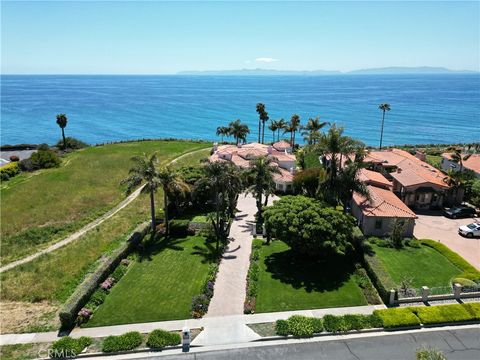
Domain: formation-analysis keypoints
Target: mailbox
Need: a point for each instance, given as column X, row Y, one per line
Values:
column 185, row 339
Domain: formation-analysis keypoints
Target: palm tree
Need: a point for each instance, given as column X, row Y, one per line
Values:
column 281, row 126
column 225, row 183
column 261, row 172
column 348, row 183
column 262, row 118
column 457, row 156
column 383, row 107
column 273, row 127
column 62, row 122
column 144, row 170
column 293, row 127
column 170, row 182
column 311, row 131
column 223, row 131
column 239, row 131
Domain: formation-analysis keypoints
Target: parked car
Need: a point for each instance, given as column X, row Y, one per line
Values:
column 470, row 230
column 460, row 212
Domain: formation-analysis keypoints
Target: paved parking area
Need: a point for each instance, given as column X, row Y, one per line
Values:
column 440, row 228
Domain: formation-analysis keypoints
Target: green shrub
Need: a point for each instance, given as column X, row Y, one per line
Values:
column 317, row 324
column 159, row 338
column 442, row 314
column 397, row 317
column 464, row 282
column 125, row 342
column 363, row 281
column 97, row 299
column 253, row 272
column 8, row 171
column 380, row 277
column 473, row 309
column 429, row 354
column 300, row 326
column 413, row 243
column 42, row 159
column 255, row 255
column 179, row 228
column 71, row 143
column 334, row 324
column 469, row 272
column 373, row 321
column 119, row 272
column 281, row 327
column 69, row 347
column 354, row 322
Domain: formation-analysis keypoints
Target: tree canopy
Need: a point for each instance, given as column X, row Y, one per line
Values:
column 309, row 228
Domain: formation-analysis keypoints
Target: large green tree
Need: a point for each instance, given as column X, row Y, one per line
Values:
column 262, row 119
column 260, row 173
column 239, row 131
column 62, row 123
column 310, row 229
column 144, row 171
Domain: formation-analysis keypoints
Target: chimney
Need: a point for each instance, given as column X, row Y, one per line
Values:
column 420, row 155
column 399, row 170
column 270, row 149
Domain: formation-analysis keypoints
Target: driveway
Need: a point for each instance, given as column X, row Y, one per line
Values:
column 445, row 230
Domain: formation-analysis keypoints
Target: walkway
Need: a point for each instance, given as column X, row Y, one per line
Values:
column 87, row 227
column 217, row 330
column 230, row 285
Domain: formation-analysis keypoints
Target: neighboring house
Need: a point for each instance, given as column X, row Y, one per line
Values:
column 377, row 217
column 472, row 163
column 374, row 178
column 418, row 184
column 242, row 154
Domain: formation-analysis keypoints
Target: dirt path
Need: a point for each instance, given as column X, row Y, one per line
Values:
column 89, row 226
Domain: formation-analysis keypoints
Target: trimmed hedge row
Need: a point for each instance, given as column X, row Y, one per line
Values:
column 125, row 342
column 159, row 338
column 299, row 326
column 380, row 277
column 252, row 278
column 469, row 272
column 84, row 291
column 69, row 347
column 397, row 317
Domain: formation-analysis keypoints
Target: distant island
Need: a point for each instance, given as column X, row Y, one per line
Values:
column 393, row 70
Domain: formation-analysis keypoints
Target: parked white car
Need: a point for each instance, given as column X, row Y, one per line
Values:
column 470, row 230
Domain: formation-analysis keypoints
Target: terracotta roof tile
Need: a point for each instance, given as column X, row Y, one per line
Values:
column 472, row 163
column 373, row 177
column 384, row 204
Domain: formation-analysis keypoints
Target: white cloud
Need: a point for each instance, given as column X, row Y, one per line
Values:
column 266, row 59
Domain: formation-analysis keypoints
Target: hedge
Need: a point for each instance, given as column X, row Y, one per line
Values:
column 84, row 291
column 125, row 342
column 380, row 277
column 350, row 322
column 473, row 309
column 159, row 338
column 397, row 317
column 179, row 228
column 469, row 272
column 8, row 171
column 442, row 314
column 69, row 347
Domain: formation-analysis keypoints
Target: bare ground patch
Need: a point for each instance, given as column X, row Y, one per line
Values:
column 22, row 317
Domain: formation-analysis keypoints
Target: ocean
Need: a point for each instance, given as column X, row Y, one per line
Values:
column 424, row 108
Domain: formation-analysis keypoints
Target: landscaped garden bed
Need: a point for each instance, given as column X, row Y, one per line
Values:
column 388, row 319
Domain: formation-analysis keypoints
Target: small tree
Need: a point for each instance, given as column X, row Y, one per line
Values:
column 308, row 228
column 306, row 181
column 397, row 231
column 62, row 122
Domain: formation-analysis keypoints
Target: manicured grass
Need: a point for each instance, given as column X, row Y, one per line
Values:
column 23, row 351
column 287, row 282
column 434, row 160
column 159, row 286
column 40, row 208
column 424, row 265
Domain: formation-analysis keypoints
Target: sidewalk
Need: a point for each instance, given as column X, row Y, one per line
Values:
column 217, row 330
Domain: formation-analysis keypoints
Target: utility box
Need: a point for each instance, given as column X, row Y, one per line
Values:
column 185, row 339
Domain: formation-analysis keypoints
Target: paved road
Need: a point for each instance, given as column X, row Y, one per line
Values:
column 456, row 344
column 437, row 227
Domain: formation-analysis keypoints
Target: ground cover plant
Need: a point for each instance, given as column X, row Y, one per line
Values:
column 176, row 269
column 63, row 199
column 288, row 282
column 159, row 338
column 68, row 347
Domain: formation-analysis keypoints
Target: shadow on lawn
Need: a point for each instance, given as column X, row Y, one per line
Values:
column 300, row 272
column 153, row 246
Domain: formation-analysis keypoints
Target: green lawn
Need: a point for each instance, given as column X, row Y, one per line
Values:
column 43, row 207
column 159, row 286
column 426, row 266
column 434, row 160
column 287, row 282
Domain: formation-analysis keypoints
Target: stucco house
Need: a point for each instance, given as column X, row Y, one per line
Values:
column 418, row 184
column 377, row 217
column 242, row 154
column 471, row 163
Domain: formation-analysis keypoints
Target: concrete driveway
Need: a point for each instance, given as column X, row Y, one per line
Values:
column 438, row 227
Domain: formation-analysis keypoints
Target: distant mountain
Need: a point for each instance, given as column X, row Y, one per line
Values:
column 410, row 70
column 394, row 70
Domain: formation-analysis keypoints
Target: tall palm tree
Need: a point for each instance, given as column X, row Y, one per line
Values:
column 311, row 131
column 170, row 182
column 281, row 126
column 223, row 131
column 62, row 122
column 144, row 170
column 261, row 173
column 458, row 157
column 239, row 131
column 384, row 107
column 224, row 182
column 273, row 127
column 293, row 126
column 262, row 118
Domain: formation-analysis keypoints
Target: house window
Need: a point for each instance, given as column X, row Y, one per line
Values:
column 378, row 224
column 434, row 197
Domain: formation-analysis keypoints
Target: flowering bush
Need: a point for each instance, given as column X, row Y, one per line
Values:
column 84, row 315
column 200, row 305
column 107, row 284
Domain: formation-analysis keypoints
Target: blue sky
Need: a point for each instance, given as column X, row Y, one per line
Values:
column 166, row 37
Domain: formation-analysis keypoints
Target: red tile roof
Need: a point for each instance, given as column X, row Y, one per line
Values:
column 472, row 163
column 373, row 177
column 282, row 145
column 384, row 203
